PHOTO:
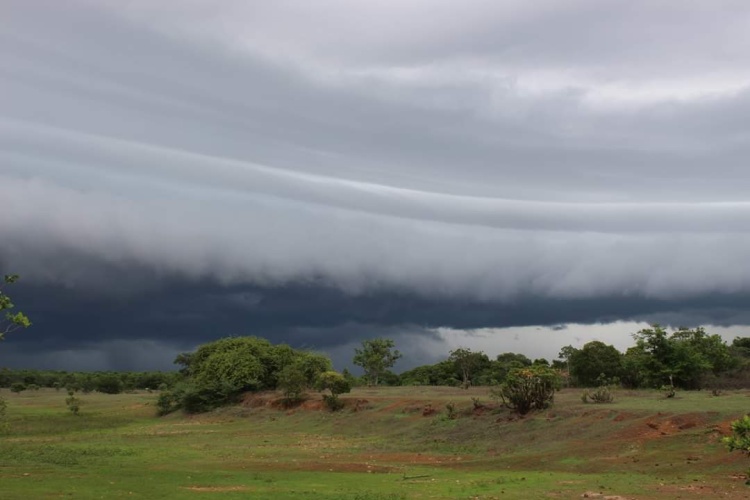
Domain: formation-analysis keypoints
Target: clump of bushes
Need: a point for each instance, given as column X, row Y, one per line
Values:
column 740, row 438
column 603, row 393
column 336, row 384
column 528, row 388
column 73, row 403
column 217, row 374
column 600, row 395
column 451, row 409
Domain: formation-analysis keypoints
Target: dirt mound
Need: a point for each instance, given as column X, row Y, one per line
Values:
column 260, row 399
column 659, row 425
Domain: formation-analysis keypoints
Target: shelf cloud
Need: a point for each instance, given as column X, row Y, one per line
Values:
column 224, row 166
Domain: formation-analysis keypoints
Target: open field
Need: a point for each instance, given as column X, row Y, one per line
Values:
column 642, row 447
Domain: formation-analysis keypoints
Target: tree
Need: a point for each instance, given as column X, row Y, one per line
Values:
column 292, row 382
column 108, row 383
column 375, row 357
column 11, row 321
column 497, row 371
column 295, row 377
column 336, row 384
column 566, row 354
column 683, row 357
column 592, row 361
column 467, row 363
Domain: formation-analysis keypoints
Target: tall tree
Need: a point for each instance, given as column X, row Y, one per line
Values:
column 467, row 363
column 11, row 321
column 375, row 357
column 595, row 359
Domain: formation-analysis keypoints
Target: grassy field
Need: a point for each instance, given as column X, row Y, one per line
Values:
column 380, row 447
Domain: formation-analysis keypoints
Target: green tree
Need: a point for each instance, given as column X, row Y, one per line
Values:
column 566, row 354
column 442, row 373
column 683, row 357
column 375, row 357
column 467, row 363
column 237, row 368
column 336, row 384
column 109, row 383
column 592, row 361
column 302, row 374
column 12, row 321
column 497, row 370
column 292, row 382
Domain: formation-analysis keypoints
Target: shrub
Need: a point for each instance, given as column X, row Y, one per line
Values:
column 292, row 382
column 740, row 438
column 3, row 416
column 17, row 387
column 108, row 384
column 528, row 388
column 73, row 403
column 200, row 398
column 668, row 391
column 603, row 393
column 600, row 395
column 332, row 402
column 451, row 408
column 337, row 384
column 168, row 402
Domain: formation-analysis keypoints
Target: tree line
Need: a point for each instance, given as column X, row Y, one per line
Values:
column 685, row 358
column 108, row 382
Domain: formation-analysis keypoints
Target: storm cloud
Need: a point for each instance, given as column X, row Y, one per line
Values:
column 321, row 173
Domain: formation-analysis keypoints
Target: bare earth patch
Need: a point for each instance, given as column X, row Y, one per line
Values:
column 215, row 489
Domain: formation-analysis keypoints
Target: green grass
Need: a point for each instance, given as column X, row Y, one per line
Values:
column 640, row 446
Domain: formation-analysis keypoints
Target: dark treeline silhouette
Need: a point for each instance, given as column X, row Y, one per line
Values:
column 109, row 382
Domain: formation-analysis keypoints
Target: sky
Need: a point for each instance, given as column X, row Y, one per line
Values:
column 504, row 176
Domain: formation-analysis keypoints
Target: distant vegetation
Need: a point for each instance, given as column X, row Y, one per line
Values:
column 219, row 372
column 107, row 382
column 686, row 359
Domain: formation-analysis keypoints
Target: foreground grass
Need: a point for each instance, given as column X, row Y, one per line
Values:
column 641, row 446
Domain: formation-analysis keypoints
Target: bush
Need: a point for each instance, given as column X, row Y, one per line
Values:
column 168, row 402
column 599, row 395
column 333, row 402
column 668, row 391
column 203, row 398
column 17, row 387
column 451, row 408
column 740, row 438
column 337, row 384
column 529, row 388
column 292, row 382
column 108, row 384
column 73, row 403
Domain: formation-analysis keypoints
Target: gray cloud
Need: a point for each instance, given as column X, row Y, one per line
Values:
column 495, row 153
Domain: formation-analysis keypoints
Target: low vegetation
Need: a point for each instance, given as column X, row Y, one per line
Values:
column 381, row 445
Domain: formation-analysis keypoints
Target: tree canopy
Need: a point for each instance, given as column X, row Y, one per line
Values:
column 375, row 357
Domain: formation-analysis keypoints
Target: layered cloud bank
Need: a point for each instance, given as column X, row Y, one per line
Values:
column 487, row 157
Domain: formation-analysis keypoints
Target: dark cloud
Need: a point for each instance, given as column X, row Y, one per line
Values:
column 320, row 173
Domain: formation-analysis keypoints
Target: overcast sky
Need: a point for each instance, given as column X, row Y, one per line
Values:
column 323, row 172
